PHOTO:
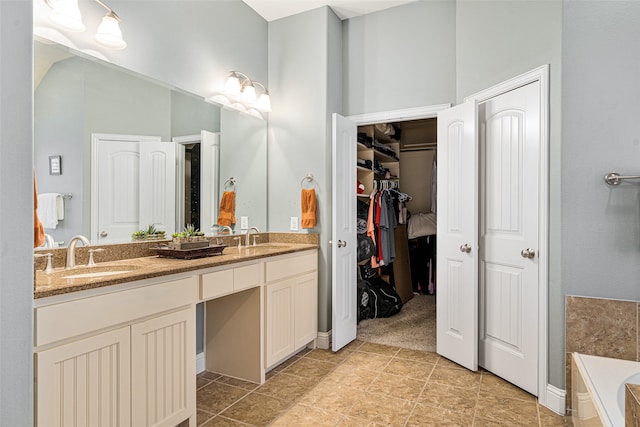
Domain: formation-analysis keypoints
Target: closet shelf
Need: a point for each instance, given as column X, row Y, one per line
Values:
column 382, row 157
column 363, row 169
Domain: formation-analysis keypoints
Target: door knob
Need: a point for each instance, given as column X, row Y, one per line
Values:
column 103, row 233
column 465, row 248
column 528, row 253
column 342, row 243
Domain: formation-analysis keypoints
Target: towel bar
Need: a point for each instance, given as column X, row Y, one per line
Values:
column 614, row 178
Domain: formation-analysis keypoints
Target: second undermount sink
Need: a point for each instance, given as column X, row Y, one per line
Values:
column 97, row 271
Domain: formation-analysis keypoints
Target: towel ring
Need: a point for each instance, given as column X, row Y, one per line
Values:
column 231, row 182
column 309, row 179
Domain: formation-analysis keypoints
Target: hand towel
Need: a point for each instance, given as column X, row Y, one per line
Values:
column 50, row 209
column 308, row 204
column 227, row 212
column 38, row 229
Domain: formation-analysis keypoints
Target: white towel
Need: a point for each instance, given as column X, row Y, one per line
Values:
column 50, row 209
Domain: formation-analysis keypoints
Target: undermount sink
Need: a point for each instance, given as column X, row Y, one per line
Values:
column 97, row 271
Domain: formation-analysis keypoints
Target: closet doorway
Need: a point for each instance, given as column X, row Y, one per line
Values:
column 540, row 75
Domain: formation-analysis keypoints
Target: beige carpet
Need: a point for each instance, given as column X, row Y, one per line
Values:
column 414, row 327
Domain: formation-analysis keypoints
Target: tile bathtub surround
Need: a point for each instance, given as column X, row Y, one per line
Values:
column 600, row 327
column 369, row 384
column 120, row 251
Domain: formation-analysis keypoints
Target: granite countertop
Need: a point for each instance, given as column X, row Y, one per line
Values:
column 128, row 270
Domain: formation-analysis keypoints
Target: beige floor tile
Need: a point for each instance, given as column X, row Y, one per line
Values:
column 444, row 362
column 208, row 375
column 389, row 411
column 203, row 416
column 309, row 368
column 201, row 382
column 548, row 418
column 385, row 350
column 371, row 361
column 332, row 397
column 223, row 422
column 455, row 377
column 215, row 397
column 397, row 386
column 237, row 383
column 353, row 345
column 409, row 368
column 256, row 409
column 357, row 422
column 506, row 410
column 450, row 398
column 352, row 376
column 287, row 387
column 328, row 355
column 482, row 422
column 284, row 365
column 418, row 356
column 493, row 384
column 424, row 415
column 301, row 415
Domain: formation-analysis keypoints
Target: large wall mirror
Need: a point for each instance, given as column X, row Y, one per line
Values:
column 81, row 100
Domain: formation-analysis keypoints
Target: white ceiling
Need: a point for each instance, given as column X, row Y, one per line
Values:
column 276, row 9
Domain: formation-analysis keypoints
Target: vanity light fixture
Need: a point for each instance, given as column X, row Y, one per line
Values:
column 66, row 14
column 239, row 88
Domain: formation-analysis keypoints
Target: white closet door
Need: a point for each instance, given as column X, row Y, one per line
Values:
column 343, row 234
column 157, row 195
column 457, row 244
column 510, row 153
column 209, row 178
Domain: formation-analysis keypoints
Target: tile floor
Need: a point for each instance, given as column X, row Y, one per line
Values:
column 368, row 384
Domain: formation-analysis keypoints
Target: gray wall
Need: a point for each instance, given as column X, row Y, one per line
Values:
column 600, row 134
column 16, row 218
column 299, row 136
column 400, row 58
column 497, row 40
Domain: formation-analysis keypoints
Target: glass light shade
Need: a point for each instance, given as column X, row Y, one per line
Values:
column 264, row 103
column 233, row 85
column 66, row 13
column 109, row 34
column 249, row 92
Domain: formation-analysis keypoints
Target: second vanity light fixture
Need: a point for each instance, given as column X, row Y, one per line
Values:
column 66, row 14
column 239, row 88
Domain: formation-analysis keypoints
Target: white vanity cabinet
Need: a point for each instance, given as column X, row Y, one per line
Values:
column 120, row 356
column 291, row 305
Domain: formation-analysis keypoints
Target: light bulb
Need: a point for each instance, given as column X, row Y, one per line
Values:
column 66, row 13
column 109, row 34
column 249, row 91
column 264, row 102
column 233, row 85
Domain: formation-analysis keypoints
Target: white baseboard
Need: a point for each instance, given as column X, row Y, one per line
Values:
column 554, row 399
column 199, row 362
column 324, row 340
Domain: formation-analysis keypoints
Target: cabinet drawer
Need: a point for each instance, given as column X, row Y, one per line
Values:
column 246, row 277
column 288, row 267
column 216, row 284
column 68, row 319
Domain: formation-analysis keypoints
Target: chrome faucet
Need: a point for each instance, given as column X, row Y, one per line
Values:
column 71, row 250
column 246, row 239
column 222, row 228
column 49, row 242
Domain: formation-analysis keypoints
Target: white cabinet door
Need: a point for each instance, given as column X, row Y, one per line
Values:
column 86, row 382
column 163, row 369
column 279, row 299
column 457, row 246
column 305, row 316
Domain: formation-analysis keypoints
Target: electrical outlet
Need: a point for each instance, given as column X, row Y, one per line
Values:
column 294, row 223
column 244, row 222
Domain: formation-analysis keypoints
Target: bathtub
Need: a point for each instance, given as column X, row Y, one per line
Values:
column 598, row 391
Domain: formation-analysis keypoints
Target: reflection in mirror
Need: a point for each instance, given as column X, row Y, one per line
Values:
column 243, row 150
column 77, row 97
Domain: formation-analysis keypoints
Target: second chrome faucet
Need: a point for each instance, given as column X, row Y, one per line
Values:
column 71, row 250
